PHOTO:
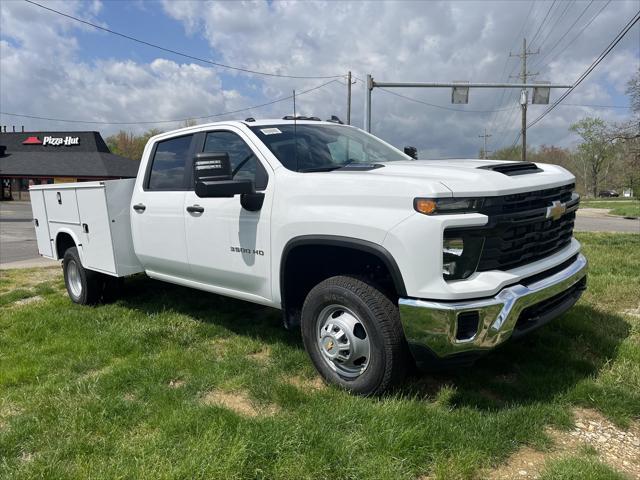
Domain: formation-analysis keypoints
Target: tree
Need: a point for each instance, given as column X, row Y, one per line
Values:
column 595, row 153
column 507, row 153
column 129, row 145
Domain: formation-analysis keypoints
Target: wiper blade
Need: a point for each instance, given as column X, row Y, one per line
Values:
column 320, row 169
column 355, row 166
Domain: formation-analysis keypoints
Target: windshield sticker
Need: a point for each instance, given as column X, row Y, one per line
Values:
column 270, row 131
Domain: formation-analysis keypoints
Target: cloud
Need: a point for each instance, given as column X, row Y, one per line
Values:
column 43, row 75
column 43, row 71
column 421, row 41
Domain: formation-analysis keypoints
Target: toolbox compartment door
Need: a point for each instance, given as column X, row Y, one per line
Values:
column 62, row 205
column 41, row 223
column 97, row 246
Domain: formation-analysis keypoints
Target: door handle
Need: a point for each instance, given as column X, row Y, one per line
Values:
column 139, row 208
column 195, row 209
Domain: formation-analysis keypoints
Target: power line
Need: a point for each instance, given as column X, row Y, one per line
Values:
column 176, row 52
column 543, row 57
column 494, row 117
column 441, row 106
column 508, row 118
column 560, row 17
column 595, row 63
column 97, row 122
column 593, row 106
column 542, row 23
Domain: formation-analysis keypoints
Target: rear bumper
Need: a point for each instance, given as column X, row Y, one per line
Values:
column 462, row 329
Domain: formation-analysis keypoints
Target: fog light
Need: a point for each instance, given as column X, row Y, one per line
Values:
column 449, row 268
column 460, row 255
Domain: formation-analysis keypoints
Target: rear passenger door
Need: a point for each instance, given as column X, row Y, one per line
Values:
column 229, row 246
column 157, row 216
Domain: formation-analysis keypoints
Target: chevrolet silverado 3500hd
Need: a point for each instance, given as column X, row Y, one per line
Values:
column 378, row 258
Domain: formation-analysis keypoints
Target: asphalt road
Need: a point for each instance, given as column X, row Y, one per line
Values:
column 18, row 241
column 597, row 220
column 17, row 234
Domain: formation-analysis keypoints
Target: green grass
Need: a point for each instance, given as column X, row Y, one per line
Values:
column 579, row 468
column 118, row 391
column 623, row 207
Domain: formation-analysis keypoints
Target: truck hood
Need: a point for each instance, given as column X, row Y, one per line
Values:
column 472, row 177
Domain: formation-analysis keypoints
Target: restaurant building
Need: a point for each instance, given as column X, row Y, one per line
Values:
column 35, row 158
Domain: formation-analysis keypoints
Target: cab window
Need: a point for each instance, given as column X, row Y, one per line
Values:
column 244, row 163
column 168, row 164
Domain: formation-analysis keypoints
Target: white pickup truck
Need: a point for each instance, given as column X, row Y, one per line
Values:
column 381, row 260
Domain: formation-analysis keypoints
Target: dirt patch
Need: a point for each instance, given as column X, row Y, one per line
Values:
column 634, row 312
column 239, row 402
column 27, row 457
column 620, row 449
column 129, row 397
column 27, row 301
column 7, row 411
column 261, row 356
column 314, row 384
column 220, row 345
column 36, row 277
column 177, row 383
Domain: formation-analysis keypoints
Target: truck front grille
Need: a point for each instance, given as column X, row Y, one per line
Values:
column 509, row 246
column 519, row 231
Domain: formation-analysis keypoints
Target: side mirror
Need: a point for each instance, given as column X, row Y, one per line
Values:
column 412, row 152
column 213, row 177
column 211, row 166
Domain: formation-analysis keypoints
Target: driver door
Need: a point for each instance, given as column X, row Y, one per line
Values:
column 228, row 246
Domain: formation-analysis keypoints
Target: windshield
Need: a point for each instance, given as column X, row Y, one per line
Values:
column 305, row 148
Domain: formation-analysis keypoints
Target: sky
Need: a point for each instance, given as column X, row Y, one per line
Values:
column 55, row 67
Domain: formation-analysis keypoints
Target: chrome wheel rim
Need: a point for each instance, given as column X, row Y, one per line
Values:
column 343, row 341
column 73, row 279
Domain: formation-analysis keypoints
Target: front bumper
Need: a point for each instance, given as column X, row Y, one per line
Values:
column 457, row 329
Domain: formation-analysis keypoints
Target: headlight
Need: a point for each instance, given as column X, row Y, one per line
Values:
column 460, row 255
column 440, row 206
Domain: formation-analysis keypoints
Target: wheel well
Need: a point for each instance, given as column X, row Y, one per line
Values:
column 64, row 241
column 306, row 265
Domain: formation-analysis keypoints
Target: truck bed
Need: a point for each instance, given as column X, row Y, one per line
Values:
column 96, row 215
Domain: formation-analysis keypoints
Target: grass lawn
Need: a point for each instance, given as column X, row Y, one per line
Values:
column 623, row 207
column 174, row 383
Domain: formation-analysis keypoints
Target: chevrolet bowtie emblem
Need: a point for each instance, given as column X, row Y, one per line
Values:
column 556, row 210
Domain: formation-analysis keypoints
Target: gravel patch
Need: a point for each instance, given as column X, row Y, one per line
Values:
column 620, row 449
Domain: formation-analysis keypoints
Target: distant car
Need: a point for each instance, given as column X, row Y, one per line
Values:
column 608, row 193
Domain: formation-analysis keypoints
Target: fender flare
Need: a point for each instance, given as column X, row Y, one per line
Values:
column 347, row 242
column 73, row 236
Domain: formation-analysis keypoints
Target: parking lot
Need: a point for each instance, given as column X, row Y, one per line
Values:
column 17, row 235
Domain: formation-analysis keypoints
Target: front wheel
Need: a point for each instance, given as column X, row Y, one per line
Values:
column 353, row 334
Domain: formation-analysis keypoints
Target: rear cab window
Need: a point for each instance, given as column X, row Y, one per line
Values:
column 167, row 170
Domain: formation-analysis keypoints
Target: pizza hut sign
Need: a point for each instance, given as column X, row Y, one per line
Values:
column 57, row 141
column 53, row 141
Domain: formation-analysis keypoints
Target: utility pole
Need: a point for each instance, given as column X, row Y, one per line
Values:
column 484, row 149
column 524, row 94
column 349, row 98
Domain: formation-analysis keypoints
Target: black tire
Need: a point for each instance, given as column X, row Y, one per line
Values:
column 380, row 316
column 90, row 283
